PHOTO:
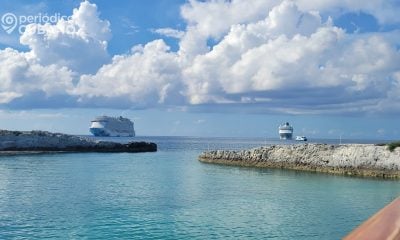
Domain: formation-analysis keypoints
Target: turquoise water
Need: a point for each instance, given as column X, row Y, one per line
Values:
column 170, row 195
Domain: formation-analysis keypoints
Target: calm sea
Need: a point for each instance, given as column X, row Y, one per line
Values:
column 170, row 195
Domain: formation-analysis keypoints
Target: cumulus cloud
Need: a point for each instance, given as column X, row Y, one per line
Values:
column 79, row 43
column 212, row 19
column 293, row 62
column 19, row 75
column 148, row 76
column 255, row 56
column 278, row 55
column 58, row 54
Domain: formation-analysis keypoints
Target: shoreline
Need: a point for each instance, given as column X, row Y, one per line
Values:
column 40, row 142
column 374, row 173
column 363, row 160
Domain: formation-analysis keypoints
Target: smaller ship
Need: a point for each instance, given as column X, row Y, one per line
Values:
column 104, row 126
column 301, row 138
column 285, row 131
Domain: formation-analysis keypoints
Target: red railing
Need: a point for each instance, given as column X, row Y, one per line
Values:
column 385, row 224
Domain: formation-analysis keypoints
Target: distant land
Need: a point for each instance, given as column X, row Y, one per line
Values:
column 28, row 142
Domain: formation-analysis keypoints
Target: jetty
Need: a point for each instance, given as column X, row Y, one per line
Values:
column 30, row 142
column 366, row 160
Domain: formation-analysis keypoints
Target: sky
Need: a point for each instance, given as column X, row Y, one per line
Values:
column 235, row 68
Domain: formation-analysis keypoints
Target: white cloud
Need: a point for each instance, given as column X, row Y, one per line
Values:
column 58, row 54
column 169, row 32
column 149, row 76
column 20, row 75
column 284, row 56
column 257, row 56
column 79, row 43
column 298, row 62
column 6, row 97
column 212, row 19
column 385, row 11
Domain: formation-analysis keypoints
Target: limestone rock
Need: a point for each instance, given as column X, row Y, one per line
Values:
column 352, row 159
column 47, row 141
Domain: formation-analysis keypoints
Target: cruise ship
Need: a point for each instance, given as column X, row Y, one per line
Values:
column 104, row 126
column 285, row 131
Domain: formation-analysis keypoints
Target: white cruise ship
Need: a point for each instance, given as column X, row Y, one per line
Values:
column 104, row 126
column 285, row 131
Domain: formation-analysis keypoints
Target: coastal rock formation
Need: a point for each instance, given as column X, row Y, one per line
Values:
column 349, row 159
column 41, row 141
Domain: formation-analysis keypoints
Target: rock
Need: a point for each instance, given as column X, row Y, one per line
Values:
column 41, row 141
column 349, row 159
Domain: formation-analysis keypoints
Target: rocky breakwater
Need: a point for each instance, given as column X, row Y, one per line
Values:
column 23, row 142
column 350, row 159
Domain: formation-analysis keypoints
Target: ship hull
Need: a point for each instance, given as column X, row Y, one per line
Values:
column 102, row 132
column 99, row 132
column 286, row 136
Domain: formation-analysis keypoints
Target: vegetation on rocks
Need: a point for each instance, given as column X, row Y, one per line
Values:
column 393, row 145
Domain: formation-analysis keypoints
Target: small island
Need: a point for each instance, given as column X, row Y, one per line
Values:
column 30, row 142
column 366, row 160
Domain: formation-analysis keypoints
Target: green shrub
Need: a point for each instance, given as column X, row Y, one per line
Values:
column 380, row 144
column 393, row 145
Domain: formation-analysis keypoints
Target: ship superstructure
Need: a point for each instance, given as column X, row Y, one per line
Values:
column 105, row 126
column 285, row 131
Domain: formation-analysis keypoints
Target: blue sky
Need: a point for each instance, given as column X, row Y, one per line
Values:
column 205, row 68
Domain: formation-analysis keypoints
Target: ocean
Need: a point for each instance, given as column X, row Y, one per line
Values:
column 171, row 195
